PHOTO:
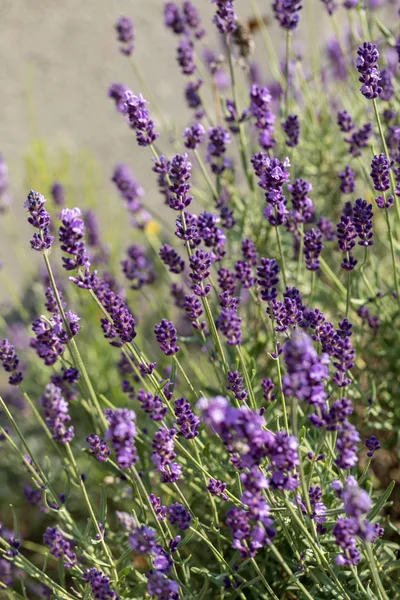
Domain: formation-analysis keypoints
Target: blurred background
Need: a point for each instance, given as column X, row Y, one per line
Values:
column 58, row 61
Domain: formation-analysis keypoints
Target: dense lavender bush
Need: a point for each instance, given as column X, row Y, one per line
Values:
column 212, row 427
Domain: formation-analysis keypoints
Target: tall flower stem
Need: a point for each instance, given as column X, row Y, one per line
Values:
column 385, row 149
column 392, row 251
column 253, row 402
column 375, row 575
column 149, row 94
column 95, row 523
column 206, row 175
column 79, row 364
column 287, row 72
column 242, row 137
column 282, row 259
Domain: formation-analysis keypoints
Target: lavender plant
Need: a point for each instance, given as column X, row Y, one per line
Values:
column 202, row 415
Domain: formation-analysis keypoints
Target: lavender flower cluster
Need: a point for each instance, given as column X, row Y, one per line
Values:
column 218, row 419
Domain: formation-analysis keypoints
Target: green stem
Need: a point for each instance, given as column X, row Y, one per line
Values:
column 385, row 149
column 206, row 175
column 396, row 279
column 283, row 267
column 375, row 575
column 73, row 347
column 252, row 397
column 287, row 74
column 289, row 571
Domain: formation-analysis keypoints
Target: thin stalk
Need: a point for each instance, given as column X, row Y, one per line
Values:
column 283, row 267
column 242, row 138
column 396, row 279
column 206, row 175
column 289, row 571
column 73, row 347
column 79, row 479
column 348, row 290
column 375, row 575
column 287, row 74
column 252, row 397
column 385, row 149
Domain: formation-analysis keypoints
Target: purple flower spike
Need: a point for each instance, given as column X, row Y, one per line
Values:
column 100, row 584
column 164, row 454
column 171, row 258
column 380, row 172
column 121, row 433
column 268, row 278
column 312, row 249
column 98, row 447
column 185, row 56
column 194, row 136
column 10, row 362
column 179, row 516
column 217, row 488
column 134, row 108
column 125, row 35
column 179, row 170
column 166, row 336
column 347, row 183
column 173, row 18
column 345, row 122
column 292, row 129
column 56, row 414
column 225, row 17
column 40, row 219
column 187, row 422
column 285, row 12
column 372, row 444
column 330, row 6
column 362, row 219
column 59, row 547
column 367, row 66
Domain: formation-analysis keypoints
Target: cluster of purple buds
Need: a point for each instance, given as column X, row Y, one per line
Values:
column 167, row 337
column 229, row 322
column 100, row 585
column 225, row 17
column 179, row 516
column 152, row 405
column 260, row 99
column 40, row 219
column 359, row 139
column 268, row 387
column 268, row 279
column 185, row 56
column 194, row 310
column 164, row 455
column 137, row 268
column 171, row 259
column 372, row 444
column 347, row 180
column 134, row 107
column 186, row 421
column 302, row 204
column 131, row 192
column 58, row 193
column 59, row 547
column 272, row 174
column 125, row 35
column 217, row 488
column 56, row 414
column 236, row 386
column 182, row 21
column 386, row 84
column 194, row 136
column 10, row 362
column 218, row 139
column 346, row 235
column 357, row 504
column 367, row 63
column 121, row 433
column 121, row 329
column 212, row 236
column 71, row 235
column 117, row 92
column 313, row 247
column 50, row 338
column 179, row 170
column 286, row 13
column 306, row 371
column 292, row 129
column 362, row 219
column 380, row 168
column 98, row 447
column 345, row 121
column 200, row 263
column 159, row 509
